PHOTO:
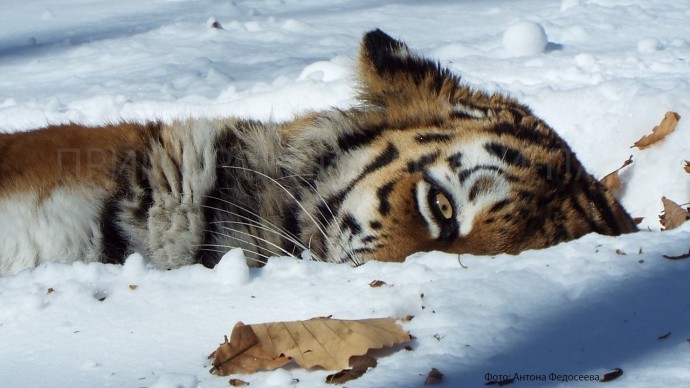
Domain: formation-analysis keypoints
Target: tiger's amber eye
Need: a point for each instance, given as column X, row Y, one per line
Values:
column 444, row 206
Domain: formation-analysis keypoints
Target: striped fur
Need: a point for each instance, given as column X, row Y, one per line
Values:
column 423, row 163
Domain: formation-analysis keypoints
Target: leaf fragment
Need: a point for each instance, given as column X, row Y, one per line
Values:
column 616, row 373
column 360, row 365
column 433, row 377
column 323, row 342
column 667, row 125
column 243, row 354
column 674, row 215
column 679, row 257
column 686, row 167
column 612, row 180
column 377, row 283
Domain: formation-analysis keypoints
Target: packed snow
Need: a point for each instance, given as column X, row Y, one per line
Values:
column 602, row 72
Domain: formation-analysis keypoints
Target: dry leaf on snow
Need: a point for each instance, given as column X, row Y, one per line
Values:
column 667, row 125
column 360, row 365
column 674, row 215
column 616, row 373
column 612, row 181
column 433, row 377
column 687, row 166
column 324, row 342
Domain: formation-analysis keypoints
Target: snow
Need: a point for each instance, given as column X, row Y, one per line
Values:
column 525, row 38
column 607, row 75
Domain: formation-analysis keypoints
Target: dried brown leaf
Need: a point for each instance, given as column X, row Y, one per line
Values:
column 133, row 287
column 667, row 125
column 612, row 180
column 238, row 383
column 687, row 166
column 674, row 215
column 433, row 377
column 377, row 283
column 616, row 373
column 324, row 342
column 243, row 354
column 360, row 365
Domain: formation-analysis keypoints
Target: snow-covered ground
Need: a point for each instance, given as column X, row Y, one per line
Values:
column 608, row 73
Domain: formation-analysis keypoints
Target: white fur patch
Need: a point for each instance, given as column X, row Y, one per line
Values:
column 63, row 227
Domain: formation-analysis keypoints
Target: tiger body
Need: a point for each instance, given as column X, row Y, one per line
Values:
column 422, row 163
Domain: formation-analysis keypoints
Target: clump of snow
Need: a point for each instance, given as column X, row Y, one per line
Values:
column 525, row 38
column 232, row 270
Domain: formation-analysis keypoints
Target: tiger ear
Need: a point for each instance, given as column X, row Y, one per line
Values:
column 393, row 77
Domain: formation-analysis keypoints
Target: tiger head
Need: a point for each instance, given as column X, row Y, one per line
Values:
column 426, row 163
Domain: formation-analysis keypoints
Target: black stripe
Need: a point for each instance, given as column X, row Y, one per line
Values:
column 424, row 138
column 548, row 141
column 385, row 158
column 368, row 239
column 375, row 224
column 351, row 223
column 455, row 160
column 583, row 213
column 598, row 199
column 479, row 187
column 382, row 194
column 114, row 245
column 361, row 138
column 422, row 163
column 499, row 205
column 507, row 154
column 464, row 174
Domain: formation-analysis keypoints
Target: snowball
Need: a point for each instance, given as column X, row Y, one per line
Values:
column 525, row 38
column 232, row 268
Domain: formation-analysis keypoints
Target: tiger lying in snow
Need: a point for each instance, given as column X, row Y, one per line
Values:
column 423, row 163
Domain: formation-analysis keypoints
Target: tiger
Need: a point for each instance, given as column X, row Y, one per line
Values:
column 420, row 162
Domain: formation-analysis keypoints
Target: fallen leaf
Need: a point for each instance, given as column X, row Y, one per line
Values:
column 674, row 215
column 377, row 283
column 243, row 354
column 616, row 373
column 133, row 287
column 612, row 181
column 238, row 383
column 360, row 365
column 667, row 125
column 687, row 166
column 433, row 377
column 324, row 342
column 51, row 290
column 679, row 257
column 663, row 337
